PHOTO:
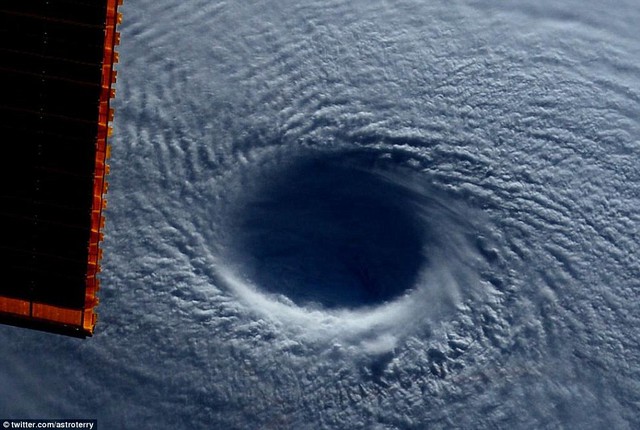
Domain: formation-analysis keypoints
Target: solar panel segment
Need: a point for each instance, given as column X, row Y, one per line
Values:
column 56, row 70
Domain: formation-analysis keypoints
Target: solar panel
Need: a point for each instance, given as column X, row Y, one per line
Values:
column 57, row 70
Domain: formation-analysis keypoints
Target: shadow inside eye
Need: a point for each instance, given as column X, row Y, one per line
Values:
column 331, row 234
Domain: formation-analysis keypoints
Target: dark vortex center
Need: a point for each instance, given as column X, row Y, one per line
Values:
column 331, row 234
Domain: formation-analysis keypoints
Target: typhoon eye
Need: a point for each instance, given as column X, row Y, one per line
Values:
column 330, row 234
column 345, row 234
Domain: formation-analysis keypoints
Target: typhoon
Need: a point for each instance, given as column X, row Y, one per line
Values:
column 363, row 215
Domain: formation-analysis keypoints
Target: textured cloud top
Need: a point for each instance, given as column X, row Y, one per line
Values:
column 363, row 214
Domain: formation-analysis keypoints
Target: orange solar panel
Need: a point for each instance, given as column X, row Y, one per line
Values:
column 57, row 69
